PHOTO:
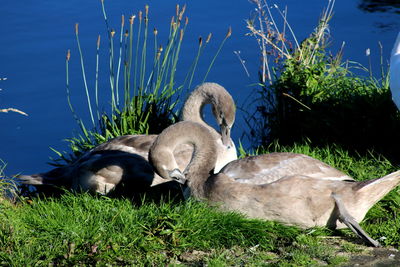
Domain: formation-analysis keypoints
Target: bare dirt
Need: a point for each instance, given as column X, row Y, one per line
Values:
column 376, row 257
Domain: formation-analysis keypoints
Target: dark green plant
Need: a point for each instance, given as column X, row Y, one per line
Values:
column 312, row 94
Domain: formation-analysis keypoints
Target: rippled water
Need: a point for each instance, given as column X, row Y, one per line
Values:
column 35, row 36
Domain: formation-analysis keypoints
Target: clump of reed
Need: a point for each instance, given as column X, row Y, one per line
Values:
column 306, row 92
column 142, row 79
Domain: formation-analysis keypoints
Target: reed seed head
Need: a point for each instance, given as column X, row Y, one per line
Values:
column 140, row 15
column 98, row 41
column 159, row 51
column 112, row 33
column 177, row 10
column 186, row 21
column 155, row 32
column 146, row 10
column 200, row 41
column 126, row 33
column 209, row 37
column 229, row 33
column 76, row 28
column 132, row 19
column 181, row 35
column 68, row 55
column 122, row 20
column 182, row 12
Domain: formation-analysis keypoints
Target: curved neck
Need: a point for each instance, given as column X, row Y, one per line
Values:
column 203, row 158
column 193, row 107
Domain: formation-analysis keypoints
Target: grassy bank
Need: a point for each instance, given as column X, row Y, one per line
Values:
column 84, row 229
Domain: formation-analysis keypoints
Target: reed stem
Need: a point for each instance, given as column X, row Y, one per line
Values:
column 84, row 74
column 119, row 58
column 144, row 51
column 137, row 91
column 228, row 34
column 96, row 86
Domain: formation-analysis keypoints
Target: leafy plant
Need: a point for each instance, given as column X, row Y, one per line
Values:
column 307, row 93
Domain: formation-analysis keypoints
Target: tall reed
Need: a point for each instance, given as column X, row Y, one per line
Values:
column 144, row 92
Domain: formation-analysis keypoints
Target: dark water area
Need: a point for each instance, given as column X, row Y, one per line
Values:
column 35, row 36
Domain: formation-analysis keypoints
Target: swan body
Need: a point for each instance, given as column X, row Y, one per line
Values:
column 271, row 167
column 108, row 167
column 305, row 193
column 99, row 171
column 122, row 162
column 394, row 72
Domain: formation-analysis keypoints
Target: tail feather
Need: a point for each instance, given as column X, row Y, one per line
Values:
column 376, row 189
column 388, row 181
column 53, row 177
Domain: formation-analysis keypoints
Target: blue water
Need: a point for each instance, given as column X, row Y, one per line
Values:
column 35, row 36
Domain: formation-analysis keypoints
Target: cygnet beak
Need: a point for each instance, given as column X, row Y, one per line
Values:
column 178, row 176
column 226, row 135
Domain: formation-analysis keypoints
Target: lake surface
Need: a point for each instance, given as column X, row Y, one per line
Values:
column 35, row 36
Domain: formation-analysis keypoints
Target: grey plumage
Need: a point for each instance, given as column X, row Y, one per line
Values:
column 290, row 188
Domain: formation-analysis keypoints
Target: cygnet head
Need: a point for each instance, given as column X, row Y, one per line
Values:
column 161, row 156
column 186, row 132
column 224, row 110
column 165, row 164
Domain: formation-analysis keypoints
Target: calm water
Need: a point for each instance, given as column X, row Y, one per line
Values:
column 35, row 36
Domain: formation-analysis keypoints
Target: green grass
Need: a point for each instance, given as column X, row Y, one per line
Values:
column 88, row 230
column 8, row 188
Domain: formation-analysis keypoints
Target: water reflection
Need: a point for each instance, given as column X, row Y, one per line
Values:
column 380, row 6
